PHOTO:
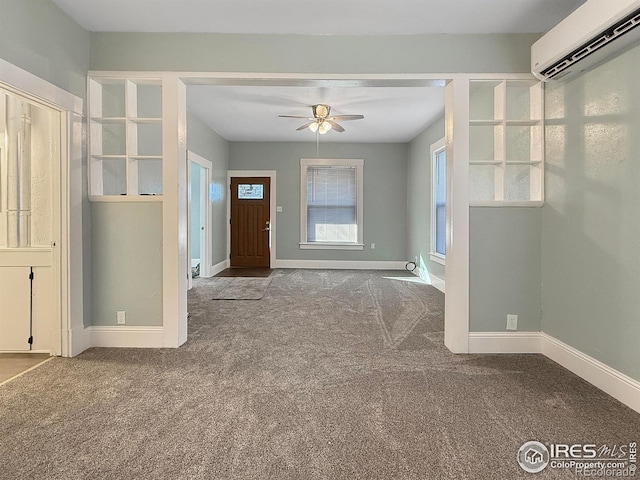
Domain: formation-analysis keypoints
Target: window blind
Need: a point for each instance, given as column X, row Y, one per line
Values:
column 440, row 197
column 331, row 204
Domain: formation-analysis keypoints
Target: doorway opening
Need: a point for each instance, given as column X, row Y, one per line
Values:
column 200, row 178
column 456, row 107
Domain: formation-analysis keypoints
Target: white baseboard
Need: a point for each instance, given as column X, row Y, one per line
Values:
column 125, row 336
column 611, row 381
column 504, row 342
column 438, row 283
column 341, row 264
column 80, row 340
column 218, row 267
column 429, row 278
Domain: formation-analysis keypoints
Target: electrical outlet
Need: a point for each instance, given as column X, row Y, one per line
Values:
column 279, row 209
column 512, row 322
column 373, row 246
column 121, row 317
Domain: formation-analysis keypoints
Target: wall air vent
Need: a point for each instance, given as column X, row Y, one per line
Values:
column 591, row 34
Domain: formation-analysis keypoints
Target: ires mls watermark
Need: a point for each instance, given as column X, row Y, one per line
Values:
column 583, row 459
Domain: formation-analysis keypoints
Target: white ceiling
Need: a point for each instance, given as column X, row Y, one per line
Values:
column 320, row 17
column 251, row 113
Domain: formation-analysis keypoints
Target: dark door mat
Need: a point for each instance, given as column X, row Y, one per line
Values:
column 245, row 272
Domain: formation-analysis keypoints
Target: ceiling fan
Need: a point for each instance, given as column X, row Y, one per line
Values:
column 321, row 122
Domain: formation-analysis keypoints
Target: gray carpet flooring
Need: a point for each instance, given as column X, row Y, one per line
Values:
column 331, row 375
column 232, row 288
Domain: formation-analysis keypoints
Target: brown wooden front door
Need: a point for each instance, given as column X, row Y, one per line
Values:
column 250, row 221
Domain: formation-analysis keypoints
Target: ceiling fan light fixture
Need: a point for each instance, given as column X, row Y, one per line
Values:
column 321, row 122
column 324, row 127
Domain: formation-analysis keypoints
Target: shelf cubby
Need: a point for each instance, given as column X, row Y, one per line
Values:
column 125, row 137
column 505, row 141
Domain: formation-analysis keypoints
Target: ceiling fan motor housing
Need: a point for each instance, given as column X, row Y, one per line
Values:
column 321, row 111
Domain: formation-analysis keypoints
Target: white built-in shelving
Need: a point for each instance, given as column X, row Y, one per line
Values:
column 125, row 141
column 506, row 160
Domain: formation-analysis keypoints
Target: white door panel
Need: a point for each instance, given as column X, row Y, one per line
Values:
column 15, row 290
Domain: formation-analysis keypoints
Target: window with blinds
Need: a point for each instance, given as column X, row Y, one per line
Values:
column 331, row 203
column 438, row 201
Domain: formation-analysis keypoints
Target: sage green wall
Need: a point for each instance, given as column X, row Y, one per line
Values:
column 590, row 223
column 39, row 37
column 208, row 144
column 127, row 262
column 419, row 197
column 385, row 181
column 311, row 54
column 504, row 268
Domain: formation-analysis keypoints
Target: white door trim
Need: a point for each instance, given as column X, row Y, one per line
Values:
column 272, row 208
column 206, row 248
column 69, row 237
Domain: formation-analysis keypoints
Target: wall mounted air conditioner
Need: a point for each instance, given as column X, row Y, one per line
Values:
column 593, row 32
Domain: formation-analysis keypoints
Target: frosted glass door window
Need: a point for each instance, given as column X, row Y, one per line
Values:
column 248, row 191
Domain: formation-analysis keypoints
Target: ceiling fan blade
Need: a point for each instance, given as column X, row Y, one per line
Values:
column 335, row 126
column 296, row 116
column 306, row 125
column 347, row 117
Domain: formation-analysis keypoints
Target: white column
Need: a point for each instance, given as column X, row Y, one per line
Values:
column 174, row 211
column 456, row 325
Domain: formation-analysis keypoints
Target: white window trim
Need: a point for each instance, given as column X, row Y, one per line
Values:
column 434, row 256
column 347, row 162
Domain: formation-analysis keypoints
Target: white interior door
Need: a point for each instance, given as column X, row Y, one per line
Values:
column 30, row 208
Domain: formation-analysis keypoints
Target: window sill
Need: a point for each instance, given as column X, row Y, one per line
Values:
column 530, row 203
column 331, row 246
column 437, row 258
column 125, row 198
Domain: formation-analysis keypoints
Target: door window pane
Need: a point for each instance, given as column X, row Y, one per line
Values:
column 248, row 191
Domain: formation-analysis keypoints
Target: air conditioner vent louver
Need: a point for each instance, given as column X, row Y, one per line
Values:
column 619, row 29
